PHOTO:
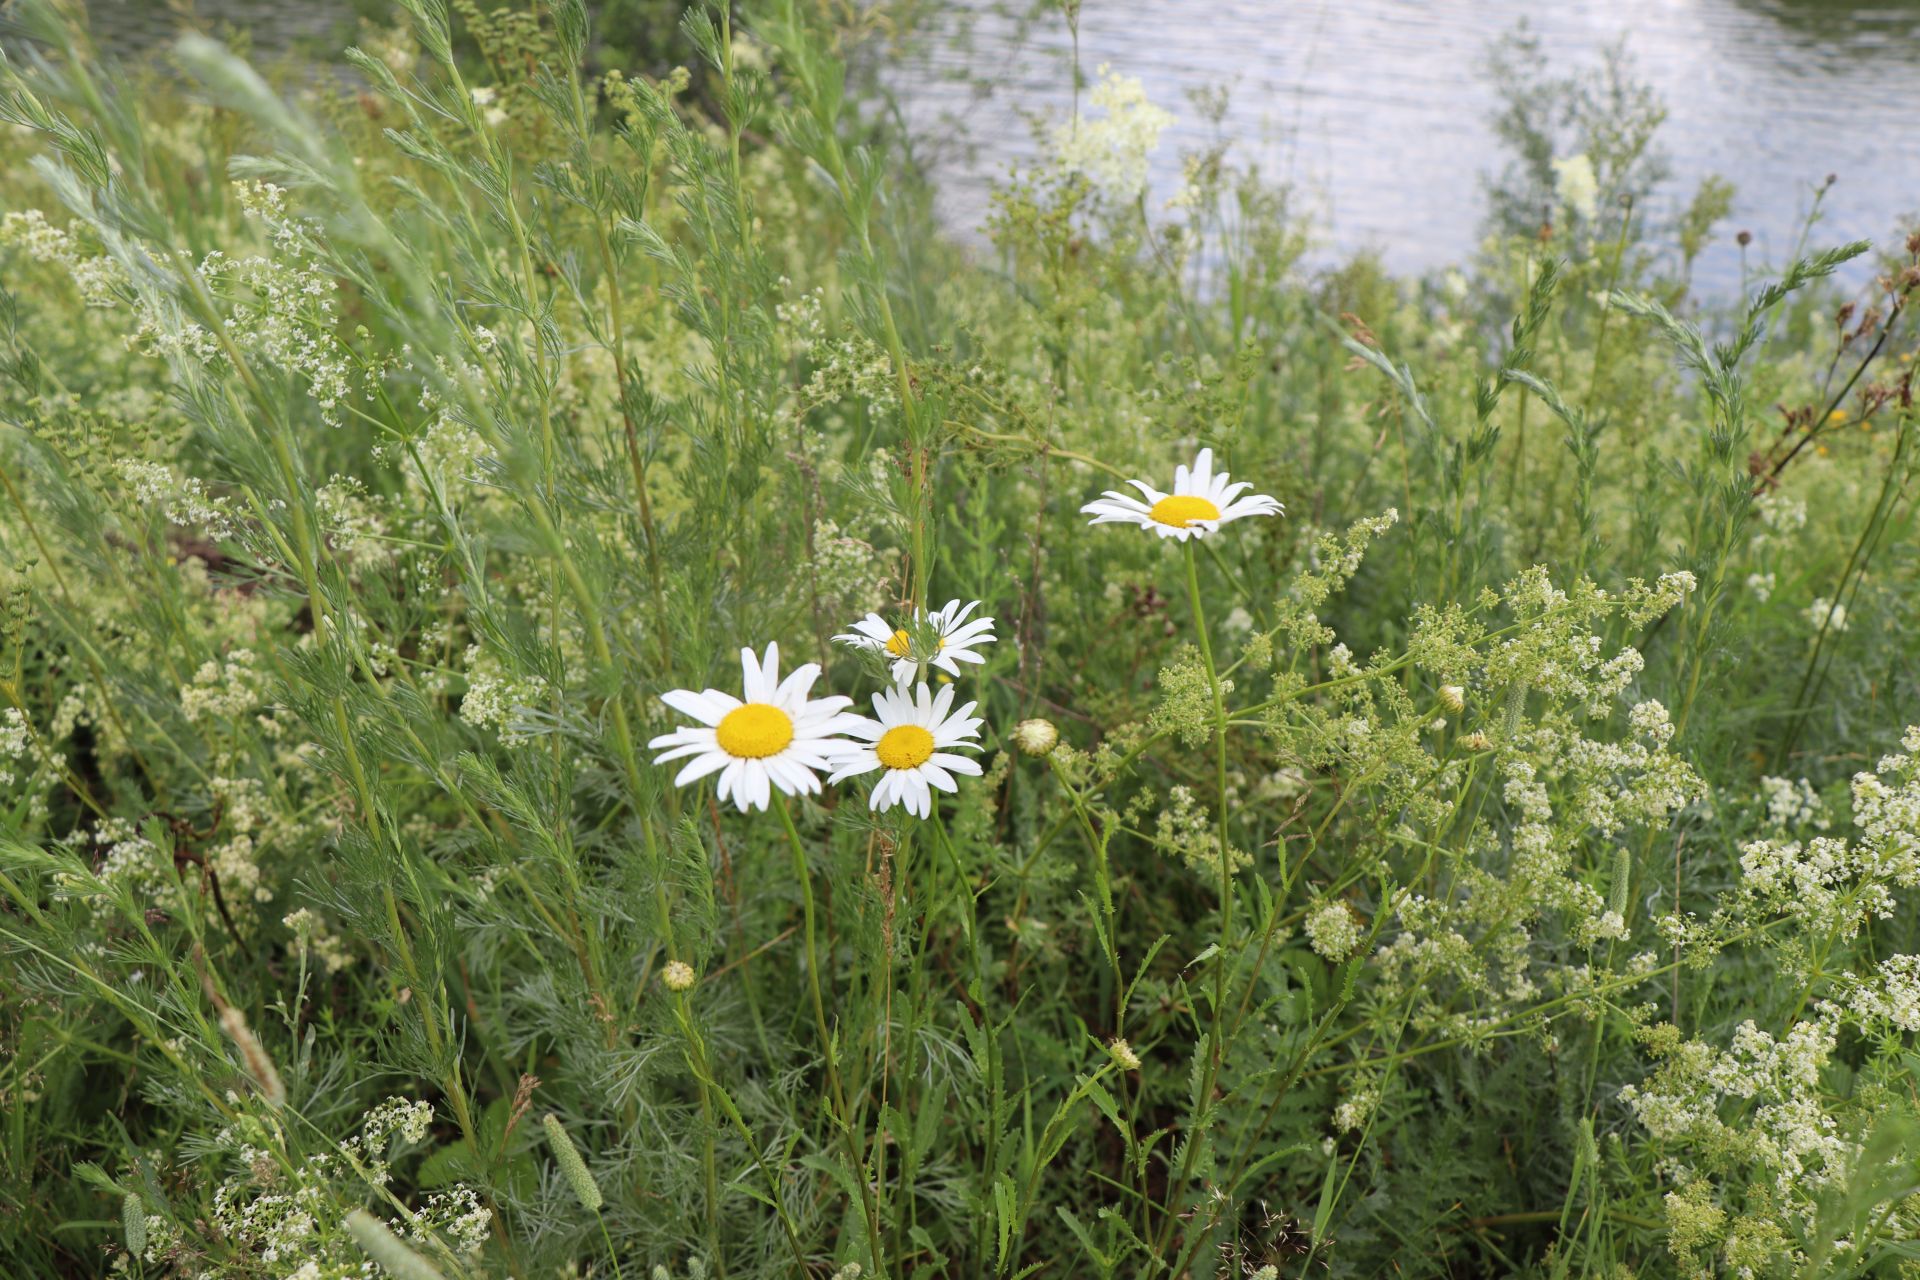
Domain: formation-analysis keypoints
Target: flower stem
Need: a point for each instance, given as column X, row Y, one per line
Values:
column 1215, row 1049
column 834, row 1085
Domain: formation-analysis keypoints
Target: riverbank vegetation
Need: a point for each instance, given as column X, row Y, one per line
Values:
column 461, row 534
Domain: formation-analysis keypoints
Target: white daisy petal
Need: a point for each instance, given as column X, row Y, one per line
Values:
column 1200, row 501
column 699, row 767
column 955, row 764
column 775, row 738
column 904, row 742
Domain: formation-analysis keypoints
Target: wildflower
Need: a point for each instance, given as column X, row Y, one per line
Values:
column 1453, row 698
column 777, row 737
column 909, row 741
column 1035, row 737
column 1199, row 503
column 1826, row 615
column 1123, row 1055
column 1577, row 186
column 1333, row 931
column 955, row 640
column 1114, row 152
column 677, row 976
column 1356, row 1111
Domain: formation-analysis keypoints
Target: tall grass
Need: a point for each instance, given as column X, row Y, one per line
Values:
column 1499, row 863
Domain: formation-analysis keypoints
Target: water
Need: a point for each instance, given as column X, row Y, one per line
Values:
column 1378, row 110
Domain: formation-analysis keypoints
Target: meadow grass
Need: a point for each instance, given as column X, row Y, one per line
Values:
column 461, row 532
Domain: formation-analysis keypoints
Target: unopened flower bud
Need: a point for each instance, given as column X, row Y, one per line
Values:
column 1035, row 737
column 1453, row 698
column 1123, row 1056
column 1744, row 239
column 1477, row 741
column 677, row 976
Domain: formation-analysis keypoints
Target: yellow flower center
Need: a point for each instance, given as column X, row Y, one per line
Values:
column 901, row 645
column 755, row 731
column 904, row 746
column 1180, row 510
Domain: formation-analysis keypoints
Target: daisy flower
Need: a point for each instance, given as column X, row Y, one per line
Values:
column 776, row 737
column 1199, row 503
column 910, row 741
column 956, row 639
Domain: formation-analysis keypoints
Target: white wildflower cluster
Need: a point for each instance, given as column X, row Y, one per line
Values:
column 852, row 573
column 351, row 521
column 1333, row 930
column 1113, row 151
column 184, row 500
column 21, row 750
column 313, row 939
column 496, row 699
column 283, row 306
column 99, row 279
column 1184, row 828
column 846, row 366
column 487, row 99
column 1792, row 804
column 1355, row 1110
column 1781, row 513
column 1826, row 884
column 1576, row 186
column 1753, row 1140
column 448, row 457
column 1825, row 615
column 223, row 688
column 286, row 1217
column 127, row 862
column 1571, row 785
column 1889, row 996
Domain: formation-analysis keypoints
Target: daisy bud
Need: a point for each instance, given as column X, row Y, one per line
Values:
column 1035, row 737
column 572, row 1167
column 1453, row 698
column 1123, row 1056
column 677, row 976
column 385, row 1248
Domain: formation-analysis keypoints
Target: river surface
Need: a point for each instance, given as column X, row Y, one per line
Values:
column 1378, row 112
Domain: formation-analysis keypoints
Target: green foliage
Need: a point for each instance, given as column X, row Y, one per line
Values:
column 1500, row 863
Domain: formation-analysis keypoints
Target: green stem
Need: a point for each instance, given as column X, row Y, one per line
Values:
column 834, row 1084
